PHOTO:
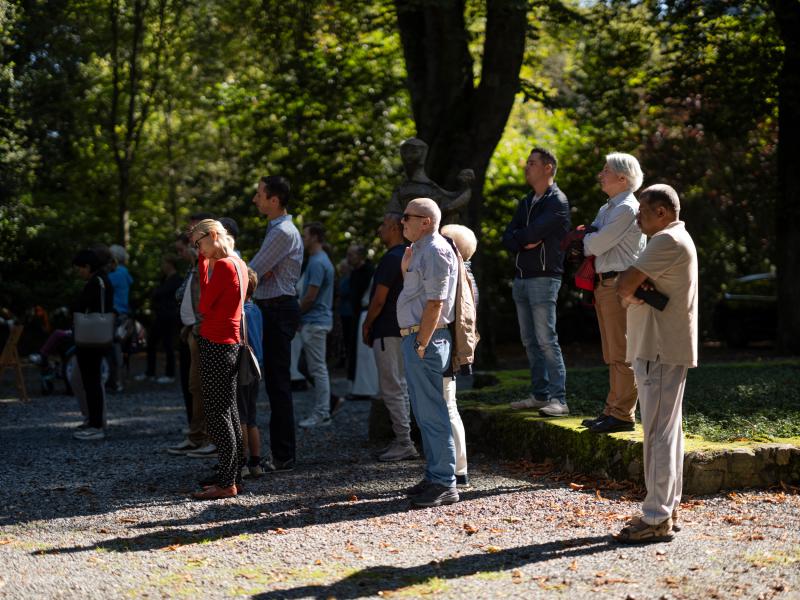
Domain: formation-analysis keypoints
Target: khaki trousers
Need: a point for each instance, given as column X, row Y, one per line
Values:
column 612, row 318
column 197, row 426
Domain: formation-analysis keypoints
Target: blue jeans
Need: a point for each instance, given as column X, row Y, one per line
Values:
column 535, row 299
column 426, row 393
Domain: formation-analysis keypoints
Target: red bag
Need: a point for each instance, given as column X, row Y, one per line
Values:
column 585, row 275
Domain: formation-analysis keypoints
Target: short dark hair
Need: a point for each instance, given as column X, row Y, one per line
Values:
column 87, row 258
column 661, row 194
column 230, row 226
column 201, row 216
column 184, row 238
column 171, row 259
column 278, row 186
column 316, row 229
column 548, row 157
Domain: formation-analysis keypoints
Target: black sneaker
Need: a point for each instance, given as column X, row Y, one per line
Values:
column 435, row 495
column 597, row 419
column 462, row 481
column 610, row 425
column 277, row 466
column 417, row 489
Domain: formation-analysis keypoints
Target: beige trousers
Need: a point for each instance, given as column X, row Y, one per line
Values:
column 612, row 318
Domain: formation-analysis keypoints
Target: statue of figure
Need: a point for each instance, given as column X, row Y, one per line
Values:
column 417, row 184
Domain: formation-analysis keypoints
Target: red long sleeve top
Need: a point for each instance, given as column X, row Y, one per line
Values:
column 220, row 300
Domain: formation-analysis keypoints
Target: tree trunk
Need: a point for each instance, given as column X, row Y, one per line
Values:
column 787, row 13
column 461, row 122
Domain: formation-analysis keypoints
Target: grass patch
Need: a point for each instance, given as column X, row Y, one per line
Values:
column 757, row 401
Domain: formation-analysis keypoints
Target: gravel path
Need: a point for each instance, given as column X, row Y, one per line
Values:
column 111, row 519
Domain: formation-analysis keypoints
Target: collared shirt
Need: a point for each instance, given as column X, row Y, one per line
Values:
column 281, row 254
column 432, row 275
column 319, row 273
column 670, row 262
column 619, row 241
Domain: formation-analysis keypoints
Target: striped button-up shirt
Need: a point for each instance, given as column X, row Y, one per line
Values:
column 279, row 260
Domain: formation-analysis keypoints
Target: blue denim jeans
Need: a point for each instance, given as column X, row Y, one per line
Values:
column 535, row 299
column 426, row 393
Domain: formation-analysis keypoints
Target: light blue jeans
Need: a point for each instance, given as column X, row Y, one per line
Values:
column 426, row 393
column 535, row 299
column 314, row 341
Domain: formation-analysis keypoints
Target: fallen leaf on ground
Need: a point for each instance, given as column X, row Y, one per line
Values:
column 278, row 531
column 103, row 530
column 573, row 566
column 576, row 486
column 597, row 494
column 470, row 529
column 172, row 548
column 318, row 562
column 512, row 519
column 516, row 576
column 493, row 549
column 353, row 498
column 127, row 520
column 6, row 541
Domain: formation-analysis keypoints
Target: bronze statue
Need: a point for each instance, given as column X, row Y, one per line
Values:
column 417, row 184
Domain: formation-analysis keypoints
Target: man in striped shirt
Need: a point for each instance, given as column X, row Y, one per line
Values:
column 277, row 264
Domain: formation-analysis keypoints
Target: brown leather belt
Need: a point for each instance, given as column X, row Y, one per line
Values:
column 606, row 275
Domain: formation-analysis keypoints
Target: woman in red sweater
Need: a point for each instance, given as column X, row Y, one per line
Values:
column 220, row 305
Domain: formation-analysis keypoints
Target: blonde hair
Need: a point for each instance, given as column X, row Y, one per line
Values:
column 464, row 238
column 224, row 239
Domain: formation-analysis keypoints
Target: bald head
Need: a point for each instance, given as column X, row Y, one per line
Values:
column 427, row 208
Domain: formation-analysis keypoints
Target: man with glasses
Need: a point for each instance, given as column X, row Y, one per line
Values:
column 277, row 264
column 425, row 307
column 534, row 238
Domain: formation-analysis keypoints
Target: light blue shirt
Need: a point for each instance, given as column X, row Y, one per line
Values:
column 319, row 272
column 281, row 254
column 432, row 275
column 121, row 280
column 619, row 241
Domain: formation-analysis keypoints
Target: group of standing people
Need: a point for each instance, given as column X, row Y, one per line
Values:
column 420, row 324
column 648, row 347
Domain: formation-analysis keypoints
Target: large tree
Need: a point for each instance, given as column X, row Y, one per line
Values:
column 787, row 14
column 461, row 114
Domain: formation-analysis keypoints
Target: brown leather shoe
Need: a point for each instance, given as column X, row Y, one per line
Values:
column 215, row 492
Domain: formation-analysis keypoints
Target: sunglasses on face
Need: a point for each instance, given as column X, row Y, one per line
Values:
column 197, row 241
column 407, row 216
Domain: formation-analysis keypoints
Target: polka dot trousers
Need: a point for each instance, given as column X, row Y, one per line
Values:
column 218, row 375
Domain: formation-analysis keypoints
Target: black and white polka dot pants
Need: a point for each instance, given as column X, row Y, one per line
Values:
column 218, row 375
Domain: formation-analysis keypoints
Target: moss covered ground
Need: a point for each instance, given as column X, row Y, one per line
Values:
column 725, row 405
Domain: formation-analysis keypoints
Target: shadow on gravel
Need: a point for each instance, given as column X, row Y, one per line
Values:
column 373, row 580
column 229, row 520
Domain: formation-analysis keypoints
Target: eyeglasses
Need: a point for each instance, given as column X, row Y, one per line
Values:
column 197, row 241
column 407, row 216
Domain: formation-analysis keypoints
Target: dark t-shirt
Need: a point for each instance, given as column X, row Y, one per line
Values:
column 388, row 273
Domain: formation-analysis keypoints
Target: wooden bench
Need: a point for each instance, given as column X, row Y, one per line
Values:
column 10, row 358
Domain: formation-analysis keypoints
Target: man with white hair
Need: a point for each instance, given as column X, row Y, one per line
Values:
column 616, row 244
column 425, row 307
column 662, row 346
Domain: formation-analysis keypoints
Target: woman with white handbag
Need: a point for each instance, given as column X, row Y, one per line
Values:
column 93, row 324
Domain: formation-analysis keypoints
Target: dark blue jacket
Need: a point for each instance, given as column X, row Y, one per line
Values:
column 546, row 220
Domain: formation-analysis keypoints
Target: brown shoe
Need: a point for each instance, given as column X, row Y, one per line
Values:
column 215, row 492
column 639, row 532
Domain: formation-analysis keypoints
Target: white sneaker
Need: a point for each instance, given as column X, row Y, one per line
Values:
column 90, row 433
column 554, row 409
column 315, row 421
column 165, row 379
column 529, row 402
column 207, row 451
column 182, row 448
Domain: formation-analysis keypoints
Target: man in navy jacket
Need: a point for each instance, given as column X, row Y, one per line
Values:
column 534, row 237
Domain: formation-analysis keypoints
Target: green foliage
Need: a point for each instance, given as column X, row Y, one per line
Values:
column 722, row 403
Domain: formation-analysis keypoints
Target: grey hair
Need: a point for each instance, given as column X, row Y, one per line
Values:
column 661, row 194
column 119, row 254
column 464, row 238
column 429, row 208
column 627, row 166
column 225, row 240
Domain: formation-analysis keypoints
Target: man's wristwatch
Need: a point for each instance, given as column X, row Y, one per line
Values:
column 418, row 345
